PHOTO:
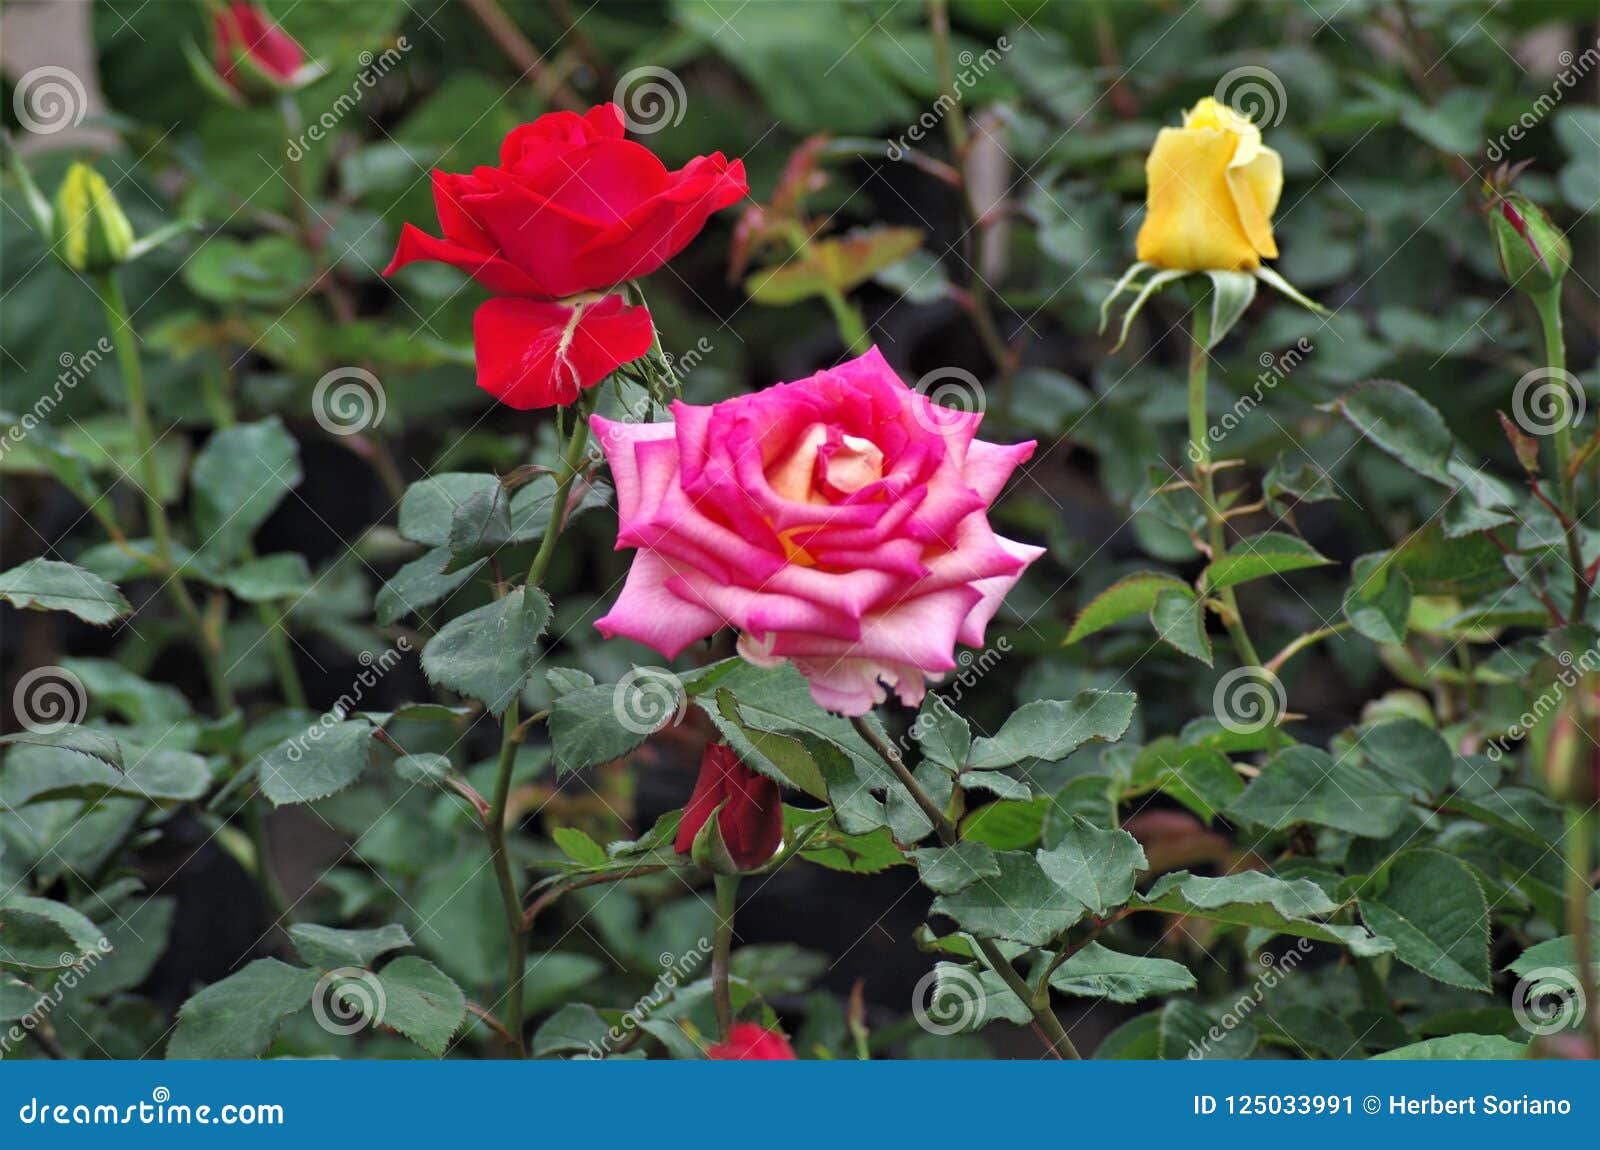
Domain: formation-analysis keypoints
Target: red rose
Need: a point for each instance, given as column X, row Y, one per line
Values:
column 748, row 1042
column 244, row 33
column 751, row 821
column 573, row 208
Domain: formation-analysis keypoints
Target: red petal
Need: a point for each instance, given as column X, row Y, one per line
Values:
column 537, row 354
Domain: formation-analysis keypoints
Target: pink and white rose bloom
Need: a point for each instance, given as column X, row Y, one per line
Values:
column 839, row 522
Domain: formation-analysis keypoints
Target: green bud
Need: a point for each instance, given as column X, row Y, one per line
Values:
column 91, row 233
column 1534, row 255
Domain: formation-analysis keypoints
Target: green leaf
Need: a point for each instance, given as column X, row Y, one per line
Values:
column 141, row 702
column 1050, row 730
column 420, row 584
column 943, row 735
column 1127, row 597
column 1180, row 620
column 586, row 727
column 1231, row 296
column 946, row 870
column 1437, row 916
column 1436, row 565
column 1254, row 899
column 489, row 653
column 1458, row 1048
column 1378, row 601
column 327, row 947
column 427, row 768
column 1095, row 972
column 282, row 576
column 575, row 1027
column 1306, row 785
column 42, row 934
column 239, row 1016
column 1023, row 903
column 35, row 773
column 552, row 976
column 421, row 1002
column 269, row 270
column 1006, row 826
column 1404, row 425
column 1270, row 553
column 1410, row 751
column 579, row 847
column 240, row 477
column 783, row 758
column 79, row 740
column 1187, row 1031
column 318, row 762
column 17, row 998
column 1199, row 777
column 1096, row 867
column 49, row 585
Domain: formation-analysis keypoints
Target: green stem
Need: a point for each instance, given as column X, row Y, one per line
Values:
column 1580, row 866
column 727, row 886
column 121, row 325
column 511, row 739
column 1548, row 305
column 1045, row 1023
column 847, row 319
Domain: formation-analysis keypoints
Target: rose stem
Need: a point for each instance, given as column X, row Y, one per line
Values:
column 1045, row 1023
column 511, row 738
column 1548, row 305
column 727, row 886
column 122, row 334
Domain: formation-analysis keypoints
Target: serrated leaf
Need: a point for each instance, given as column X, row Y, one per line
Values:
column 49, row 585
column 1096, row 972
column 239, row 1016
column 1270, row 553
column 1023, row 903
column 579, row 847
column 1378, row 600
column 240, row 476
column 1306, row 785
column 1097, row 867
column 1410, row 751
column 327, row 947
column 35, row 773
column 420, row 584
column 1458, row 1048
column 1402, row 424
column 1050, row 730
column 318, row 762
column 1434, row 910
column 945, row 870
column 42, row 934
column 1180, row 620
column 586, row 729
column 488, row 654
column 282, row 576
column 1253, row 899
column 421, row 1002
column 1129, row 596
column 944, row 736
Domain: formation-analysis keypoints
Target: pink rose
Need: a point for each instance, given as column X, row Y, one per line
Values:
column 839, row 522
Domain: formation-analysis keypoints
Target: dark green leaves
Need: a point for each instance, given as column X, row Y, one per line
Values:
column 1434, row 910
column 240, row 477
column 1050, row 730
column 421, row 1002
column 48, row 585
column 1127, row 597
column 1306, row 785
column 327, row 947
column 42, row 934
column 1253, row 899
column 239, row 1016
column 1378, row 602
column 319, row 761
column 489, row 653
column 1403, row 424
column 1096, row 972
column 1270, row 553
column 1096, row 867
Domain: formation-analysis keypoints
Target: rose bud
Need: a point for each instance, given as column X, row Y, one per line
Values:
column 91, row 232
column 1534, row 255
column 251, row 53
column 750, row 821
column 748, row 1042
column 1213, row 187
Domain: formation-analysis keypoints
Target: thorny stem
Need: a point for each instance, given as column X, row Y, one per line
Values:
column 209, row 641
column 1045, row 1023
column 727, row 886
column 1548, row 305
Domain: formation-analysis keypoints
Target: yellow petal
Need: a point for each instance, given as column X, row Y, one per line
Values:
column 1191, row 220
column 1256, row 185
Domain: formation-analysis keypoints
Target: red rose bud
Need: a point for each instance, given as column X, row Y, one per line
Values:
column 748, row 1042
column 249, row 46
column 1534, row 255
column 751, row 820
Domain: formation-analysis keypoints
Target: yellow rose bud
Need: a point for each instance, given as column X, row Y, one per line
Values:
column 92, row 234
column 1213, row 189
